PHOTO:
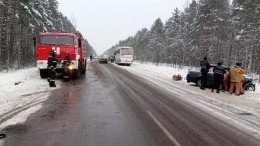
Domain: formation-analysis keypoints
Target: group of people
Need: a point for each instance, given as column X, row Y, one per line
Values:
column 227, row 79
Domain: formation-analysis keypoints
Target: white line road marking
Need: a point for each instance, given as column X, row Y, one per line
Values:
column 163, row 129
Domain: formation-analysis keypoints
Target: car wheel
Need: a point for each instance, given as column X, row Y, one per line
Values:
column 198, row 83
column 250, row 87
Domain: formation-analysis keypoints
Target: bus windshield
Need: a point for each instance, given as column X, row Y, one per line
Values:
column 60, row 40
column 127, row 51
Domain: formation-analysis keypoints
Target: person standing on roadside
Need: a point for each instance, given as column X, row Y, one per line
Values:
column 235, row 75
column 91, row 57
column 111, row 59
column 219, row 72
column 52, row 63
column 241, row 78
column 225, row 81
column 204, row 69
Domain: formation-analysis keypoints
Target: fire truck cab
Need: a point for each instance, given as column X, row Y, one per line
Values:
column 62, row 43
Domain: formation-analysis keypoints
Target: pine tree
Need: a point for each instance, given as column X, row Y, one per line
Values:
column 191, row 33
column 207, row 27
column 246, row 23
column 22, row 20
column 211, row 23
column 4, row 29
column 174, row 37
column 156, row 42
column 141, row 45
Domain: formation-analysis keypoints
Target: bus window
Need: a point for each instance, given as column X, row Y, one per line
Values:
column 126, row 51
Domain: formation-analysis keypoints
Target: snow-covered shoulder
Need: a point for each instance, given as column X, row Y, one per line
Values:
column 165, row 73
column 229, row 108
column 21, row 92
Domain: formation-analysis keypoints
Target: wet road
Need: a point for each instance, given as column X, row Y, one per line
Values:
column 112, row 107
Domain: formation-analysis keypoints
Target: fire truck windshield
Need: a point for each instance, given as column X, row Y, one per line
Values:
column 57, row 40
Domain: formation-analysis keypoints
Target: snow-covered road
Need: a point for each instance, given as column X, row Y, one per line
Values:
column 19, row 101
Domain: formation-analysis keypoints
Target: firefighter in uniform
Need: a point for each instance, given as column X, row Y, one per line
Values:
column 52, row 63
column 235, row 79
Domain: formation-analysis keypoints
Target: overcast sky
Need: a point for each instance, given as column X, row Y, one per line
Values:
column 104, row 22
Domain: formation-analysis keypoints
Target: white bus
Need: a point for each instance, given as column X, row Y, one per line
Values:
column 124, row 55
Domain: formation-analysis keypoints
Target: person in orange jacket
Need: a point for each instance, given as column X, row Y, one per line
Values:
column 235, row 78
column 225, row 81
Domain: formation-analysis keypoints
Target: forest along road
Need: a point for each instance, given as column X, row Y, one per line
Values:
column 111, row 107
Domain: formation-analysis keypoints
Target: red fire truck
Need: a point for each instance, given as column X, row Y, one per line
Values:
column 62, row 43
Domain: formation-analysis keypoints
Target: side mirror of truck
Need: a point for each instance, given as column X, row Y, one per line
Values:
column 34, row 41
column 79, row 42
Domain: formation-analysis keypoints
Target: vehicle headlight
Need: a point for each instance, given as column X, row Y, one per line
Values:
column 70, row 67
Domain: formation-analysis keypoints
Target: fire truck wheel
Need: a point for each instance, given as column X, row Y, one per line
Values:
column 43, row 73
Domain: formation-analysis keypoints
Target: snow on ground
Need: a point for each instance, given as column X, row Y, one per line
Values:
column 22, row 93
column 243, row 110
column 165, row 72
column 19, row 101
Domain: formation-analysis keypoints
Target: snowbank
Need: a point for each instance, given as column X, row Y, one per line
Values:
column 242, row 111
column 21, row 92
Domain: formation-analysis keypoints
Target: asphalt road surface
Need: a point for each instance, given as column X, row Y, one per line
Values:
column 112, row 107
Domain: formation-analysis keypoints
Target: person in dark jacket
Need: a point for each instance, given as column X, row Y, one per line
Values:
column 205, row 66
column 52, row 69
column 219, row 72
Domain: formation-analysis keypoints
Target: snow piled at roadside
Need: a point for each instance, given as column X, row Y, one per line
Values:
column 242, row 111
column 22, row 93
column 19, row 101
column 164, row 73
